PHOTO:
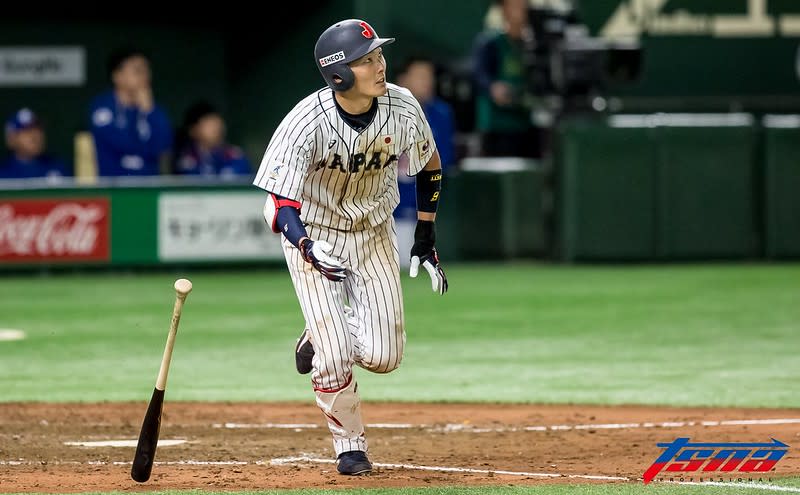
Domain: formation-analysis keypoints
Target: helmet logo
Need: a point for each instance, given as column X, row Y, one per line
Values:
column 367, row 32
column 331, row 59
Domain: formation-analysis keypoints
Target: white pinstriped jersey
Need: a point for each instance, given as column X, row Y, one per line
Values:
column 345, row 179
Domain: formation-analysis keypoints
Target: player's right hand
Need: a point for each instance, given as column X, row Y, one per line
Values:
column 318, row 254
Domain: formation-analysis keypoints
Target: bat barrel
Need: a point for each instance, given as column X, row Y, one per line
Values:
column 148, row 439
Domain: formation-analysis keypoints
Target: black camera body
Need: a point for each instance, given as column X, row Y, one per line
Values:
column 563, row 60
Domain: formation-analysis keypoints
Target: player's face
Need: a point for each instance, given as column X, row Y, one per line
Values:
column 370, row 72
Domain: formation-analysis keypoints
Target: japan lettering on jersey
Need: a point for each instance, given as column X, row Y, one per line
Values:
column 345, row 179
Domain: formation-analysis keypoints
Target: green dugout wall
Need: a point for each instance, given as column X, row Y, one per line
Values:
column 495, row 208
column 606, row 199
column 707, row 190
column 678, row 186
column 782, row 185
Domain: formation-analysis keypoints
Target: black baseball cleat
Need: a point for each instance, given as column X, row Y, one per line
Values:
column 304, row 353
column 353, row 463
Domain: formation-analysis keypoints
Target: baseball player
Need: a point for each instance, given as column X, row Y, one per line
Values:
column 330, row 171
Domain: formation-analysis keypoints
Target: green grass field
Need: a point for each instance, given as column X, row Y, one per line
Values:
column 682, row 334
column 717, row 335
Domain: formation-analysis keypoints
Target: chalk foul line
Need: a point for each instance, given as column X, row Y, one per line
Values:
column 461, row 427
column 449, row 469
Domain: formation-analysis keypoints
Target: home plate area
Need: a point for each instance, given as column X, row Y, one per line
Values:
column 229, row 446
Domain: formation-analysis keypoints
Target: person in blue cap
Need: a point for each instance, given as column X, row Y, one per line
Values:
column 25, row 139
column 203, row 149
column 132, row 134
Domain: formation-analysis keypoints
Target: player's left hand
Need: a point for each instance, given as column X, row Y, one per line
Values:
column 423, row 253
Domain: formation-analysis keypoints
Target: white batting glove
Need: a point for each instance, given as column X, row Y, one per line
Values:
column 431, row 265
column 318, row 254
column 423, row 253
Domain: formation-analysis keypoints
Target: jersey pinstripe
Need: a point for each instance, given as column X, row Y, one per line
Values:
column 344, row 179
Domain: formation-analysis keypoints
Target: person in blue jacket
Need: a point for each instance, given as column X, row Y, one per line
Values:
column 203, row 149
column 25, row 139
column 132, row 134
column 418, row 75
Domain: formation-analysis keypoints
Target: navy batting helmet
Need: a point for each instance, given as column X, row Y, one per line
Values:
column 339, row 45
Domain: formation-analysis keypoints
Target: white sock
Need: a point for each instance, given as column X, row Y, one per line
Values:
column 342, row 409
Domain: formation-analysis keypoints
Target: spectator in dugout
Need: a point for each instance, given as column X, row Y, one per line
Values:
column 202, row 146
column 25, row 138
column 132, row 134
column 418, row 74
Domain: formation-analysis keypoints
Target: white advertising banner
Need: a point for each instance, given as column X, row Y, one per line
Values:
column 224, row 225
column 22, row 66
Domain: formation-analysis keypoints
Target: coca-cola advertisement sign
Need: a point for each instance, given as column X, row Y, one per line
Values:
column 47, row 230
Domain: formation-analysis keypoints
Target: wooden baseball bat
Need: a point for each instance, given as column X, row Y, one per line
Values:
column 151, row 426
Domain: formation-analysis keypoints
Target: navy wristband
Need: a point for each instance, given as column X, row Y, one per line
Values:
column 290, row 224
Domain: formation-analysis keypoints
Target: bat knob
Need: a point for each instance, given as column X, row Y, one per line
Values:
column 183, row 286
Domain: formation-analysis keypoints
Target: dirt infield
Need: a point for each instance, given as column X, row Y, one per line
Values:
column 259, row 446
